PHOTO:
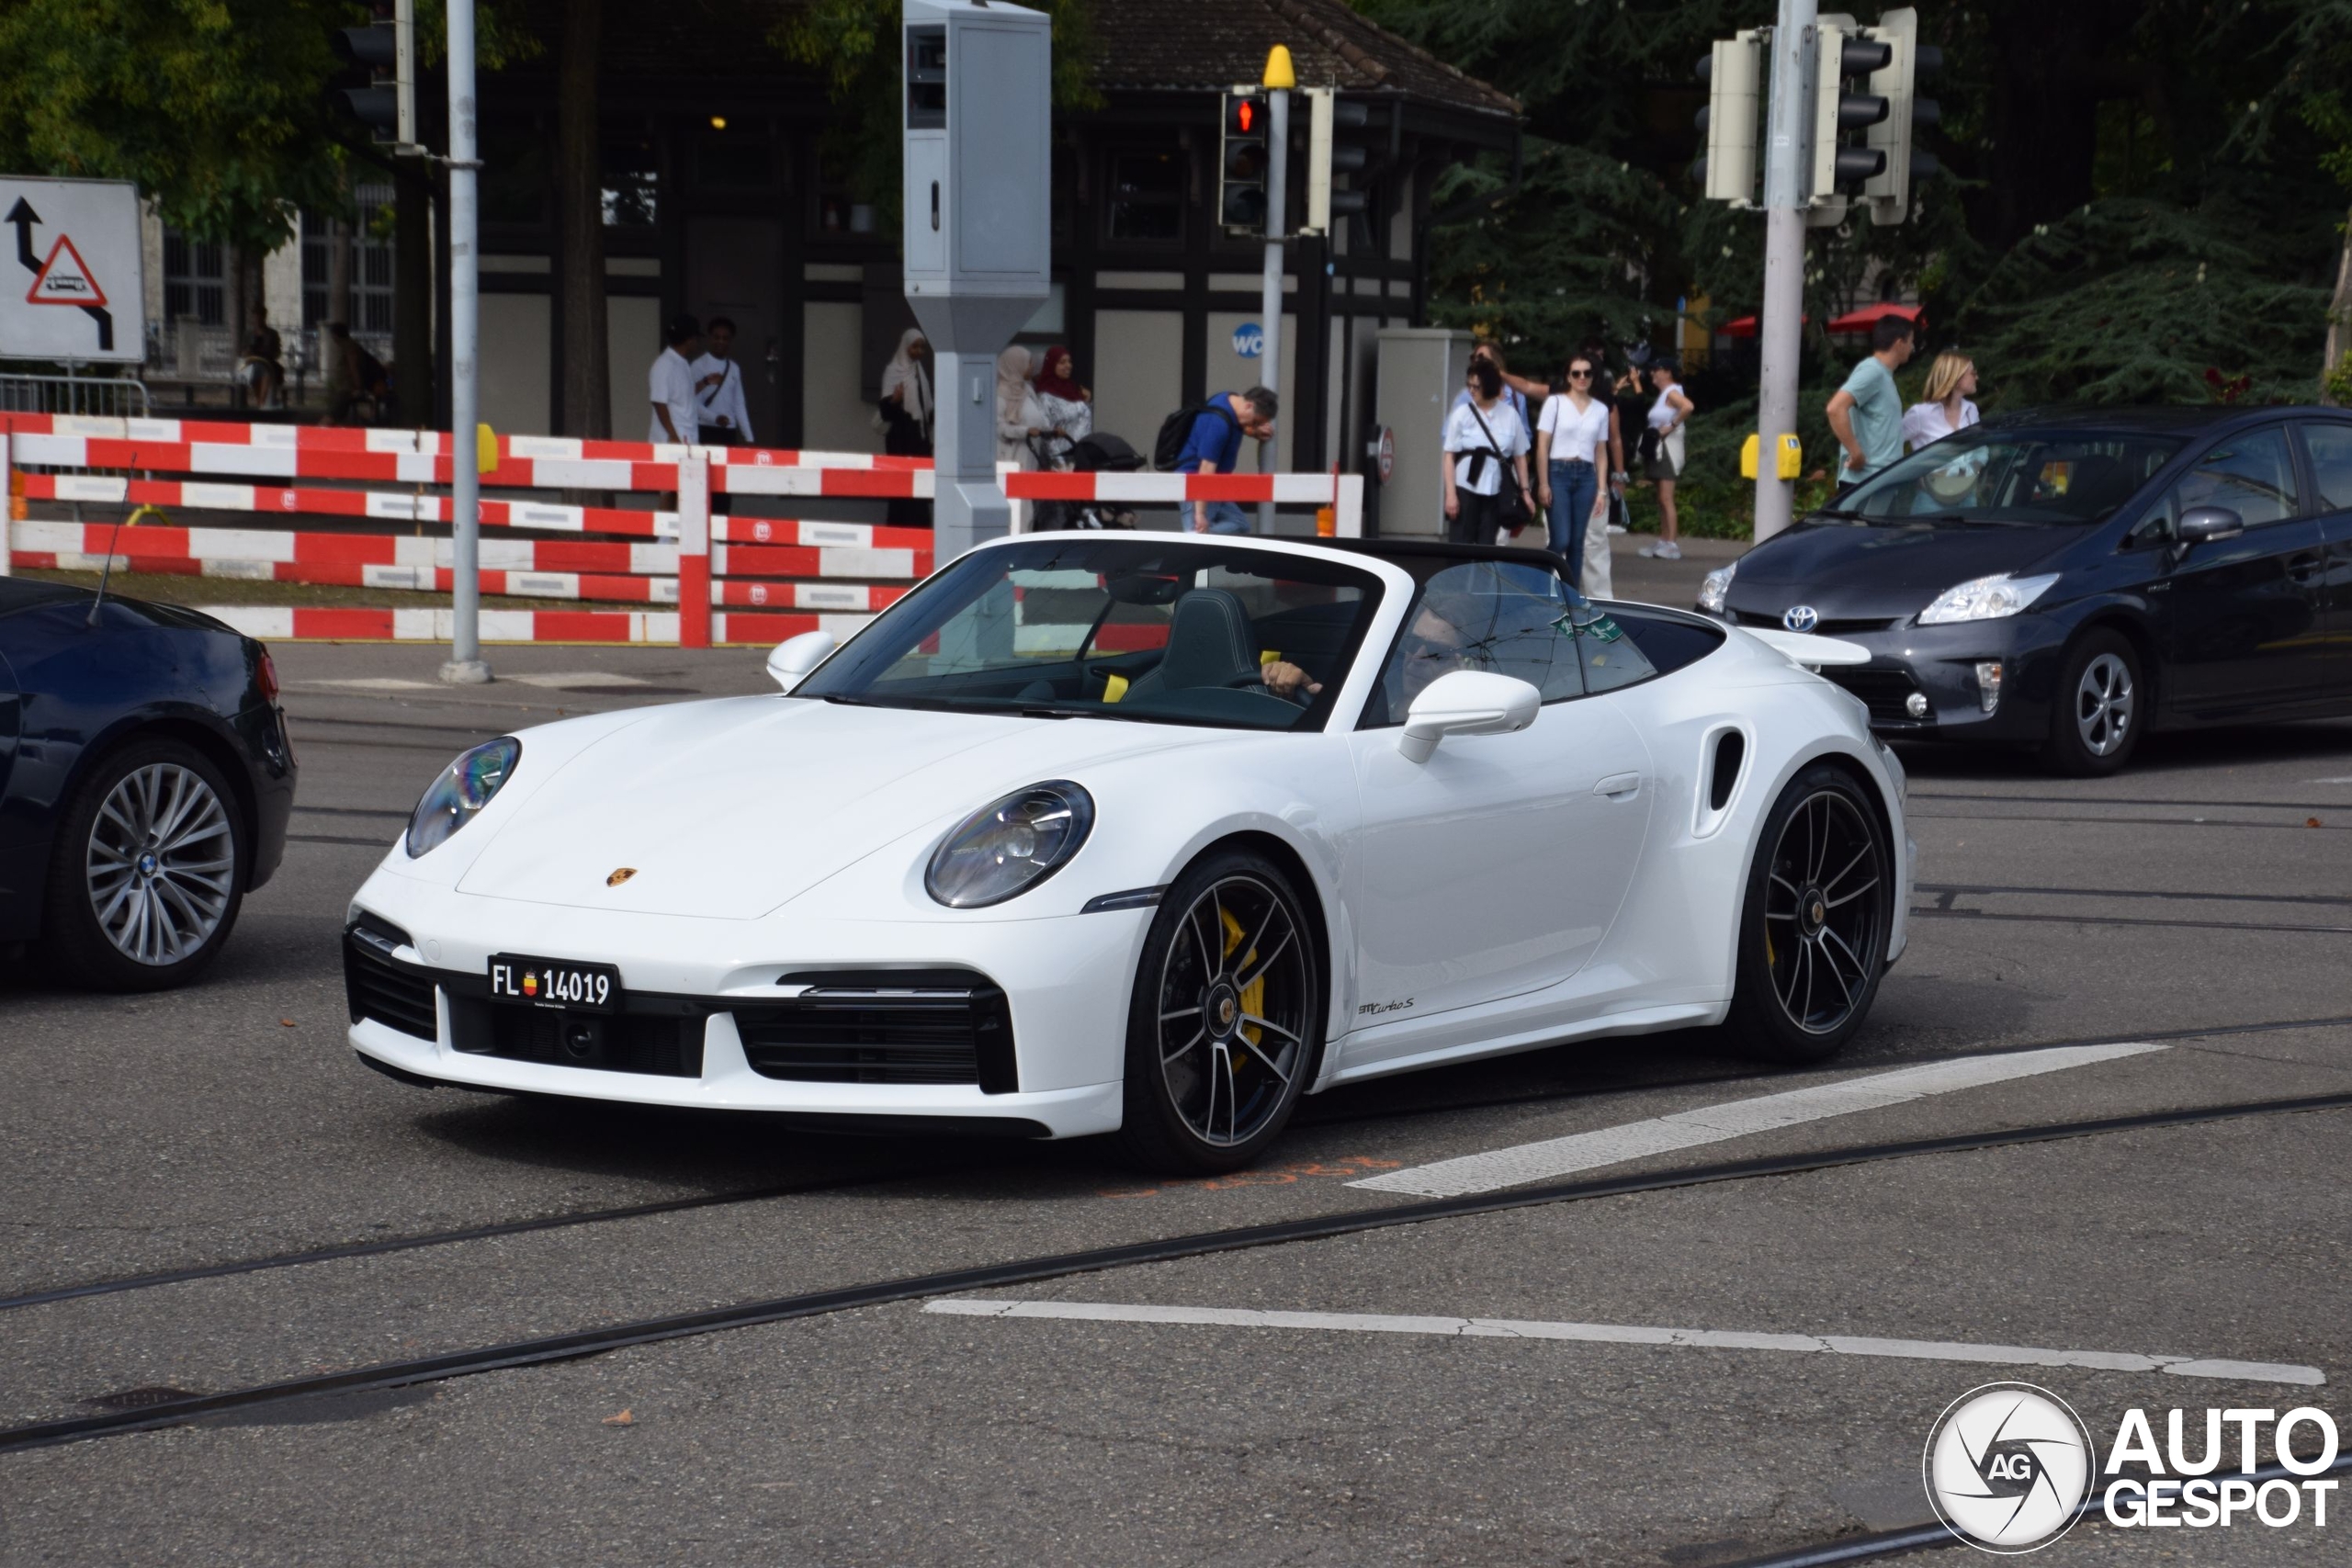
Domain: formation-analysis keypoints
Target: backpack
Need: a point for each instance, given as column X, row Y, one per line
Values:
column 1168, row 449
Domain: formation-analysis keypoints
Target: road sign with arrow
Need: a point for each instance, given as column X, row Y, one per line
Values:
column 83, row 294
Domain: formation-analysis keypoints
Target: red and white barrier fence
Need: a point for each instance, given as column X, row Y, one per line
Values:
column 713, row 571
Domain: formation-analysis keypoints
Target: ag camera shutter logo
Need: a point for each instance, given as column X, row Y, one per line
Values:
column 2007, row 1467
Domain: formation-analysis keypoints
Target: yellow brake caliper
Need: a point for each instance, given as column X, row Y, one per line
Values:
column 1253, row 995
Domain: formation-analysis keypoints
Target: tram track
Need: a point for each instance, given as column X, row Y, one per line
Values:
column 549, row 1348
column 494, row 1230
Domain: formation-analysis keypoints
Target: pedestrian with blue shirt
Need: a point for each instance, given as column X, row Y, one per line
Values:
column 1866, row 413
column 1215, row 446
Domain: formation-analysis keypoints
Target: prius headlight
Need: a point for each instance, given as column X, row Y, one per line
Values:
column 1986, row 598
column 464, row 787
column 1713, row 588
column 1007, row 848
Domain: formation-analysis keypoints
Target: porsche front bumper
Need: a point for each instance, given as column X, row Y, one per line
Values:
column 843, row 1025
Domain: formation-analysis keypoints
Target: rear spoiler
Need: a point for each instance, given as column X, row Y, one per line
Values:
column 1809, row 650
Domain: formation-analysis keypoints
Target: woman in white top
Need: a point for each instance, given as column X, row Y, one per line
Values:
column 1481, row 435
column 1664, row 466
column 1069, row 407
column 1571, row 438
column 1946, row 407
column 1019, row 414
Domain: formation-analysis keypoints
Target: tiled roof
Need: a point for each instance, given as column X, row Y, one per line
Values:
column 1190, row 45
column 1195, row 44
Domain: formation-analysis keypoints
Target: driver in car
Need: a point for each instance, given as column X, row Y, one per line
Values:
column 1433, row 645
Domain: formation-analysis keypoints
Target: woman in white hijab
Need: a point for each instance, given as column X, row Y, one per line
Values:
column 906, row 398
column 1019, row 414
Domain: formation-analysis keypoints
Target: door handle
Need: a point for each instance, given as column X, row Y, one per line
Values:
column 934, row 207
column 2304, row 570
column 1618, row 786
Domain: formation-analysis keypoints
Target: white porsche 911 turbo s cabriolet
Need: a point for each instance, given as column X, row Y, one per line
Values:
column 1150, row 834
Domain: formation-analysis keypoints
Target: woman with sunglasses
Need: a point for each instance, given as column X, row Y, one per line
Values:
column 1571, row 439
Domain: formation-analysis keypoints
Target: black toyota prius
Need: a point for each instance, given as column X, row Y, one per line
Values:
column 2069, row 581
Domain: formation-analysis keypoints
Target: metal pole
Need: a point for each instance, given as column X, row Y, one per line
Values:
column 1271, row 306
column 465, row 667
column 1787, row 168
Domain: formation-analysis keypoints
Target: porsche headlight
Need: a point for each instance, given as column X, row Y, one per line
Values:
column 1714, row 586
column 464, row 787
column 1986, row 598
column 1003, row 850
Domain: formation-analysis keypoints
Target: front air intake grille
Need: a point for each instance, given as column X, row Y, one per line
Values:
column 948, row 1026
column 1884, row 691
column 664, row 1044
column 379, row 986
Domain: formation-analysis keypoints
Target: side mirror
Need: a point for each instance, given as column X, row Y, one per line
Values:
column 794, row 657
column 2204, row 524
column 1467, row 702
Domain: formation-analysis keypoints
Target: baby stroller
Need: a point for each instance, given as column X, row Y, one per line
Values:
column 1101, row 452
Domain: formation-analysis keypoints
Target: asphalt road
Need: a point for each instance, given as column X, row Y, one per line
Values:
column 2200, row 904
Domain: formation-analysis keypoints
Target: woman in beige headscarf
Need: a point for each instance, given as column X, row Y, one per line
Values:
column 1019, row 414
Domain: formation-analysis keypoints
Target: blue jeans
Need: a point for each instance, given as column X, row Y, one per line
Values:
column 1227, row 518
column 1576, row 485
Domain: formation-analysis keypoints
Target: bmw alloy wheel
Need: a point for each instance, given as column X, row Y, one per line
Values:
column 1234, row 1011
column 2103, row 704
column 161, row 866
column 1821, row 913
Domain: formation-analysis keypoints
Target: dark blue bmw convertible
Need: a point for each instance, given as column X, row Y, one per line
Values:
column 145, row 782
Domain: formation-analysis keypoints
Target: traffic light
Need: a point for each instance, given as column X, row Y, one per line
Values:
column 1889, row 190
column 1845, row 51
column 1329, row 119
column 1733, row 73
column 386, row 50
column 1242, row 164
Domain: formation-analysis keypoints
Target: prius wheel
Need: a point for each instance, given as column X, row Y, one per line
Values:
column 147, row 874
column 1227, row 1005
column 2100, row 708
column 1813, row 937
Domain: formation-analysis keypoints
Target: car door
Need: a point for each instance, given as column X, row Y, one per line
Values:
column 1496, row 867
column 2240, row 618
column 21, row 862
column 2327, row 456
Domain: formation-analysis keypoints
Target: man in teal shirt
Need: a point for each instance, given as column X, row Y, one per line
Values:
column 1866, row 413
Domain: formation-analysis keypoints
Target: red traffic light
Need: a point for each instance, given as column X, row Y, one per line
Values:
column 1244, row 114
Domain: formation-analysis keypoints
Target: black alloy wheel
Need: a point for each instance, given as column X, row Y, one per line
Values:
column 1815, row 928
column 2100, row 708
column 1227, row 1008
column 149, row 870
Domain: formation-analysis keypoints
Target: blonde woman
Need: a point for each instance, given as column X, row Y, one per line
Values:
column 1946, row 407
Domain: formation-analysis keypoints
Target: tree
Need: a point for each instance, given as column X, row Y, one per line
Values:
column 213, row 108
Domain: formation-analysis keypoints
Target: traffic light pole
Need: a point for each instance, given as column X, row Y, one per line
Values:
column 465, row 667
column 1277, row 220
column 1787, row 166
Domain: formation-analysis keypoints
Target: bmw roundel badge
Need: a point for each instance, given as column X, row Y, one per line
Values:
column 1801, row 617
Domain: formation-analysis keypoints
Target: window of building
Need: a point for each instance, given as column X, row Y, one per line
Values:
column 1145, row 196
column 515, row 178
column 370, row 237
column 632, row 179
column 735, row 160
column 196, row 275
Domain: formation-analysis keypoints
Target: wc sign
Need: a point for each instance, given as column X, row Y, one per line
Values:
column 75, row 290
column 1248, row 340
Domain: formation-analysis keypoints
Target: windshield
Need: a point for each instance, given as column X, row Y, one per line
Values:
column 2002, row 476
column 1138, row 628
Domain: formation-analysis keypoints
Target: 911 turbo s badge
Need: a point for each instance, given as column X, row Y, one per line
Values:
column 620, row 875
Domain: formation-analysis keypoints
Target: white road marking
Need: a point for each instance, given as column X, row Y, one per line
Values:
column 1556, row 1158
column 2348, row 779
column 1619, row 1334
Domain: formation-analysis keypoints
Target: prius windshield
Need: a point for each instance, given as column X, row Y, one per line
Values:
column 1137, row 628
column 2010, row 476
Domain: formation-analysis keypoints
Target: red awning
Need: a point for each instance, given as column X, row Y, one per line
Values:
column 1869, row 316
column 1852, row 323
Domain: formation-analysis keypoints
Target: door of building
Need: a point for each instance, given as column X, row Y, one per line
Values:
column 735, row 268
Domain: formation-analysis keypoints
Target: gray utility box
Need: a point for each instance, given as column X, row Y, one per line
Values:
column 978, row 165
column 1421, row 369
column 979, row 162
